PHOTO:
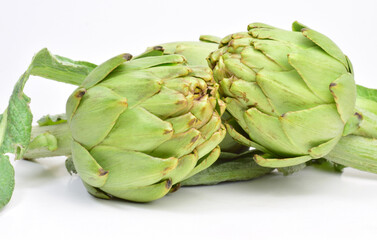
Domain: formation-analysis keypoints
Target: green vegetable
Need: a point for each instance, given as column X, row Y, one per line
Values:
column 195, row 53
column 140, row 126
column 290, row 93
column 135, row 127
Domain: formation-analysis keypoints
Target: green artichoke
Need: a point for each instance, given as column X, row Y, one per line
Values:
column 53, row 138
column 141, row 125
column 290, row 93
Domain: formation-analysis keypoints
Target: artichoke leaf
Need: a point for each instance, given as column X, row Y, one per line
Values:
column 144, row 131
column 101, row 71
column 146, row 193
column 151, row 52
column 317, row 70
column 269, row 131
column 88, row 168
column 129, row 169
column 344, row 91
column 74, row 101
column 99, row 109
column 154, row 61
column 240, row 138
column 306, row 127
column 324, row 148
column 265, row 161
column 96, row 192
column 210, row 143
column 297, row 26
column 60, row 68
column 353, row 124
column 184, row 167
column 210, row 39
column 326, row 44
column 179, row 144
column 205, row 162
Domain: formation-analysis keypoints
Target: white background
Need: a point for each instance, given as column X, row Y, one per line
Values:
column 50, row 204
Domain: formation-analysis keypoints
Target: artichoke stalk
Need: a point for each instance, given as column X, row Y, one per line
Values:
column 290, row 93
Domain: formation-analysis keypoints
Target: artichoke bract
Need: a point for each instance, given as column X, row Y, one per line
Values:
column 359, row 148
column 290, row 92
column 195, row 53
column 142, row 125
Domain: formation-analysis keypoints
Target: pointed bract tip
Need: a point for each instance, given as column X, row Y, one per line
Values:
column 80, row 93
column 102, row 172
column 175, row 188
column 297, row 27
column 359, row 115
column 127, row 56
column 168, row 183
column 158, row 48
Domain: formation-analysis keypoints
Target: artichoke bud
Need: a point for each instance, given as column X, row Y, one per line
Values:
column 291, row 92
column 141, row 125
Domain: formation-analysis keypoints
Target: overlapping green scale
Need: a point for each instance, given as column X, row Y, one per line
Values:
column 292, row 92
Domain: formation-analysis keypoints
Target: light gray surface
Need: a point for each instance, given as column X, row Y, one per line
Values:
column 50, row 204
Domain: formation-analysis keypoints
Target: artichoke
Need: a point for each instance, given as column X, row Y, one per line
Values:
column 52, row 136
column 135, row 127
column 141, row 125
column 290, row 93
column 171, row 140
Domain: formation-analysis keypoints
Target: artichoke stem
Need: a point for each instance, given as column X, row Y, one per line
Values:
column 357, row 152
column 49, row 141
column 229, row 168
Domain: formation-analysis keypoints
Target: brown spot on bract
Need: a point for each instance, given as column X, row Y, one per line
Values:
column 243, row 96
column 194, row 139
column 102, row 172
column 167, row 131
column 175, row 187
column 180, row 102
column 358, row 115
column 192, row 121
column 127, row 56
column 80, row 93
column 283, row 115
column 168, row 184
column 158, row 48
column 124, row 102
column 333, row 84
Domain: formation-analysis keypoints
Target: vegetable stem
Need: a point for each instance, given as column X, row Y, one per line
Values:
column 49, row 141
